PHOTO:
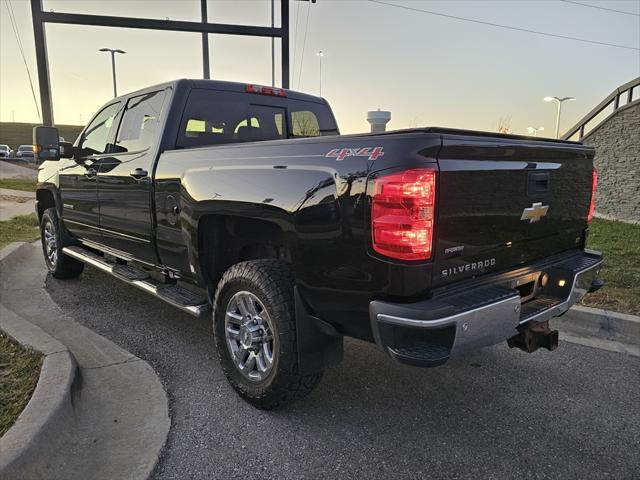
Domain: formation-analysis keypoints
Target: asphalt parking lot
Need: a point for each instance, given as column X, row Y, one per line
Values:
column 499, row 414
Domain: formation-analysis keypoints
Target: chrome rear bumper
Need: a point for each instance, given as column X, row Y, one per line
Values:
column 430, row 332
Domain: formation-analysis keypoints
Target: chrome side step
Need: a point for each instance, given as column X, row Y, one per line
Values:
column 184, row 299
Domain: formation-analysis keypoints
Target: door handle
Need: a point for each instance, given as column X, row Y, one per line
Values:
column 139, row 173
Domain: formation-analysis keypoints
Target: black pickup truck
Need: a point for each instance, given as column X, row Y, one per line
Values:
column 244, row 201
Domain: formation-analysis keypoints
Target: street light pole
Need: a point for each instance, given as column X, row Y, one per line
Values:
column 559, row 110
column 273, row 48
column 320, row 55
column 113, row 65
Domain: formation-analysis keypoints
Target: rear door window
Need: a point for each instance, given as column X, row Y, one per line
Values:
column 140, row 124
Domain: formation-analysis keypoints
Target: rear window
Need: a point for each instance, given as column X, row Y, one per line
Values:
column 213, row 118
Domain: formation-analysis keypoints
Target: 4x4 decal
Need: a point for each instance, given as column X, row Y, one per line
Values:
column 341, row 153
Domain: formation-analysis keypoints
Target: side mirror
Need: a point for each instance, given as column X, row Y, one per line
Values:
column 45, row 144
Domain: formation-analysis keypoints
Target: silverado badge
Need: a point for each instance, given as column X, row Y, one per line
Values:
column 535, row 212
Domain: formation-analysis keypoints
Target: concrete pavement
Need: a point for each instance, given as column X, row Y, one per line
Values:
column 16, row 202
column 120, row 412
column 572, row 413
column 11, row 170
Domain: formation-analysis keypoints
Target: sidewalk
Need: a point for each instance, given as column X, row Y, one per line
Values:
column 16, row 202
column 11, row 170
column 120, row 418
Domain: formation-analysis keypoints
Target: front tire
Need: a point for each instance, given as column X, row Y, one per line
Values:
column 60, row 265
column 255, row 334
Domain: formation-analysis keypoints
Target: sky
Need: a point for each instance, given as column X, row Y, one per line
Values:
column 427, row 70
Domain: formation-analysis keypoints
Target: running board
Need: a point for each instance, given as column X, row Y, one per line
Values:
column 184, row 299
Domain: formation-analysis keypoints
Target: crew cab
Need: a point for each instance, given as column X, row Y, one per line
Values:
column 243, row 203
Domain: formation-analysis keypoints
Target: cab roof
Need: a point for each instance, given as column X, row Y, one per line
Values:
column 221, row 86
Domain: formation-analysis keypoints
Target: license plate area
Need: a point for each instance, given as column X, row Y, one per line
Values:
column 528, row 285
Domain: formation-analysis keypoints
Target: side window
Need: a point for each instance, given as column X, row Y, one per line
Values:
column 304, row 124
column 94, row 139
column 141, row 122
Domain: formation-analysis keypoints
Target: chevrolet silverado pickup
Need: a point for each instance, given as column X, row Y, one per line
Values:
column 243, row 203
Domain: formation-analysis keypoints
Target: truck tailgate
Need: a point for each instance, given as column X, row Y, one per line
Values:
column 504, row 202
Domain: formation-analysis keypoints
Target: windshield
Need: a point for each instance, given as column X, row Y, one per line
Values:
column 4, row 147
column 25, row 148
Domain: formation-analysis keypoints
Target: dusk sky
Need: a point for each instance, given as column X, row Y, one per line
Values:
column 425, row 69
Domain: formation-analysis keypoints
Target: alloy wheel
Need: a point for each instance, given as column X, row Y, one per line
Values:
column 249, row 336
column 50, row 243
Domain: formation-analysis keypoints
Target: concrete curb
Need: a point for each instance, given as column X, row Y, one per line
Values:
column 9, row 249
column 601, row 324
column 49, row 410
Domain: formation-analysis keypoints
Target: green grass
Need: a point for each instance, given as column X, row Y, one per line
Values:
column 15, row 134
column 19, row 372
column 620, row 243
column 23, row 184
column 23, row 228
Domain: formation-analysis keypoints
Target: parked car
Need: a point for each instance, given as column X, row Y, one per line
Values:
column 25, row 152
column 244, row 203
column 5, row 151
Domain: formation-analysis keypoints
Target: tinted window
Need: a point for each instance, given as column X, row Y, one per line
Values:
column 213, row 118
column 310, row 119
column 304, row 124
column 264, row 123
column 95, row 136
column 141, row 122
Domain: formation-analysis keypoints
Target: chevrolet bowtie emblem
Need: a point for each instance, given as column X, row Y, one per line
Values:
column 535, row 212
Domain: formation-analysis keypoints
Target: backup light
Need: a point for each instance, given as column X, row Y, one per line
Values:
column 403, row 214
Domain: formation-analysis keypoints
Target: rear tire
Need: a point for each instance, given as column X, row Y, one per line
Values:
column 60, row 265
column 255, row 334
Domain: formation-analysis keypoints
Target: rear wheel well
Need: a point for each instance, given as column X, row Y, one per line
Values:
column 45, row 200
column 226, row 240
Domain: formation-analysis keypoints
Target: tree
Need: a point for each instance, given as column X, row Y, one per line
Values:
column 504, row 124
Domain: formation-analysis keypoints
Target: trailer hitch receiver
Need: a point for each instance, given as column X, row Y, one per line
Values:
column 534, row 337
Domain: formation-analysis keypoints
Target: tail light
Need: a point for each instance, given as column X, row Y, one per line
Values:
column 592, row 204
column 402, row 214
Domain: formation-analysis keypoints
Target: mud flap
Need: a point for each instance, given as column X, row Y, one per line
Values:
column 319, row 343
